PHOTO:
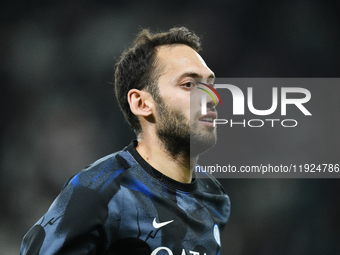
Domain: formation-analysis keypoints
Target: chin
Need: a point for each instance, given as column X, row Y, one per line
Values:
column 201, row 143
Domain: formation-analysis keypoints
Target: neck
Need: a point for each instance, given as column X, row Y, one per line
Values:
column 154, row 152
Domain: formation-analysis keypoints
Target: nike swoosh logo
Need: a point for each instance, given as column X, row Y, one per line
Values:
column 159, row 225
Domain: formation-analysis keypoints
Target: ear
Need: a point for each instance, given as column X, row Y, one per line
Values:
column 140, row 102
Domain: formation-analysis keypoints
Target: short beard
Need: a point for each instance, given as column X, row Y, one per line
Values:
column 181, row 142
column 200, row 143
column 173, row 129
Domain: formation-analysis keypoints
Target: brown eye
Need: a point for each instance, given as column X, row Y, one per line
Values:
column 190, row 84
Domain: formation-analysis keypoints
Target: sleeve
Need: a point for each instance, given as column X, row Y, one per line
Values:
column 74, row 224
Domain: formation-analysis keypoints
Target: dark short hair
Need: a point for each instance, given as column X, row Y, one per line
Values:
column 137, row 69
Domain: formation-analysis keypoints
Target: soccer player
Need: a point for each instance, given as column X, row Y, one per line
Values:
column 147, row 198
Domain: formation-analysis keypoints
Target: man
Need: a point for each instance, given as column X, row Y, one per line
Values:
column 146, row 199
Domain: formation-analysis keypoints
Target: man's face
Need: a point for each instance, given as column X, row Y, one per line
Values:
column 181, row 125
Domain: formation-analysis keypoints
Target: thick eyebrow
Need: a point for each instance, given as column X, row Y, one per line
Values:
column 194, row 75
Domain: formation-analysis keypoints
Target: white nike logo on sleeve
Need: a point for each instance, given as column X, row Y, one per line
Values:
column 159, row 225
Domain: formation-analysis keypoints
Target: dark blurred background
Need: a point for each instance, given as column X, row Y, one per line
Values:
column 58, row 111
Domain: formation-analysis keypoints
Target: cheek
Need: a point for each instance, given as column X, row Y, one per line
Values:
column 184, row 108
column 195, row 109
column 195, row 100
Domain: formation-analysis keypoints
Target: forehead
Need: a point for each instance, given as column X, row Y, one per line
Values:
column 178, row 59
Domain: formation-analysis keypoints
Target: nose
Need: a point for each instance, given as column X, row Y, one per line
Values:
column 207, row 103
column 212, row 98
column 211, row 106
column 212, row 101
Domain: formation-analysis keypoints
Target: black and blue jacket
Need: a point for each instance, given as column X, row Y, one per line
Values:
column 122, row 205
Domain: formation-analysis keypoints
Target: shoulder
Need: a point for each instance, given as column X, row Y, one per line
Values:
column 89, row 192
column 214, row 192
column 81, row 209
column 104, row 170
column 208, row 182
